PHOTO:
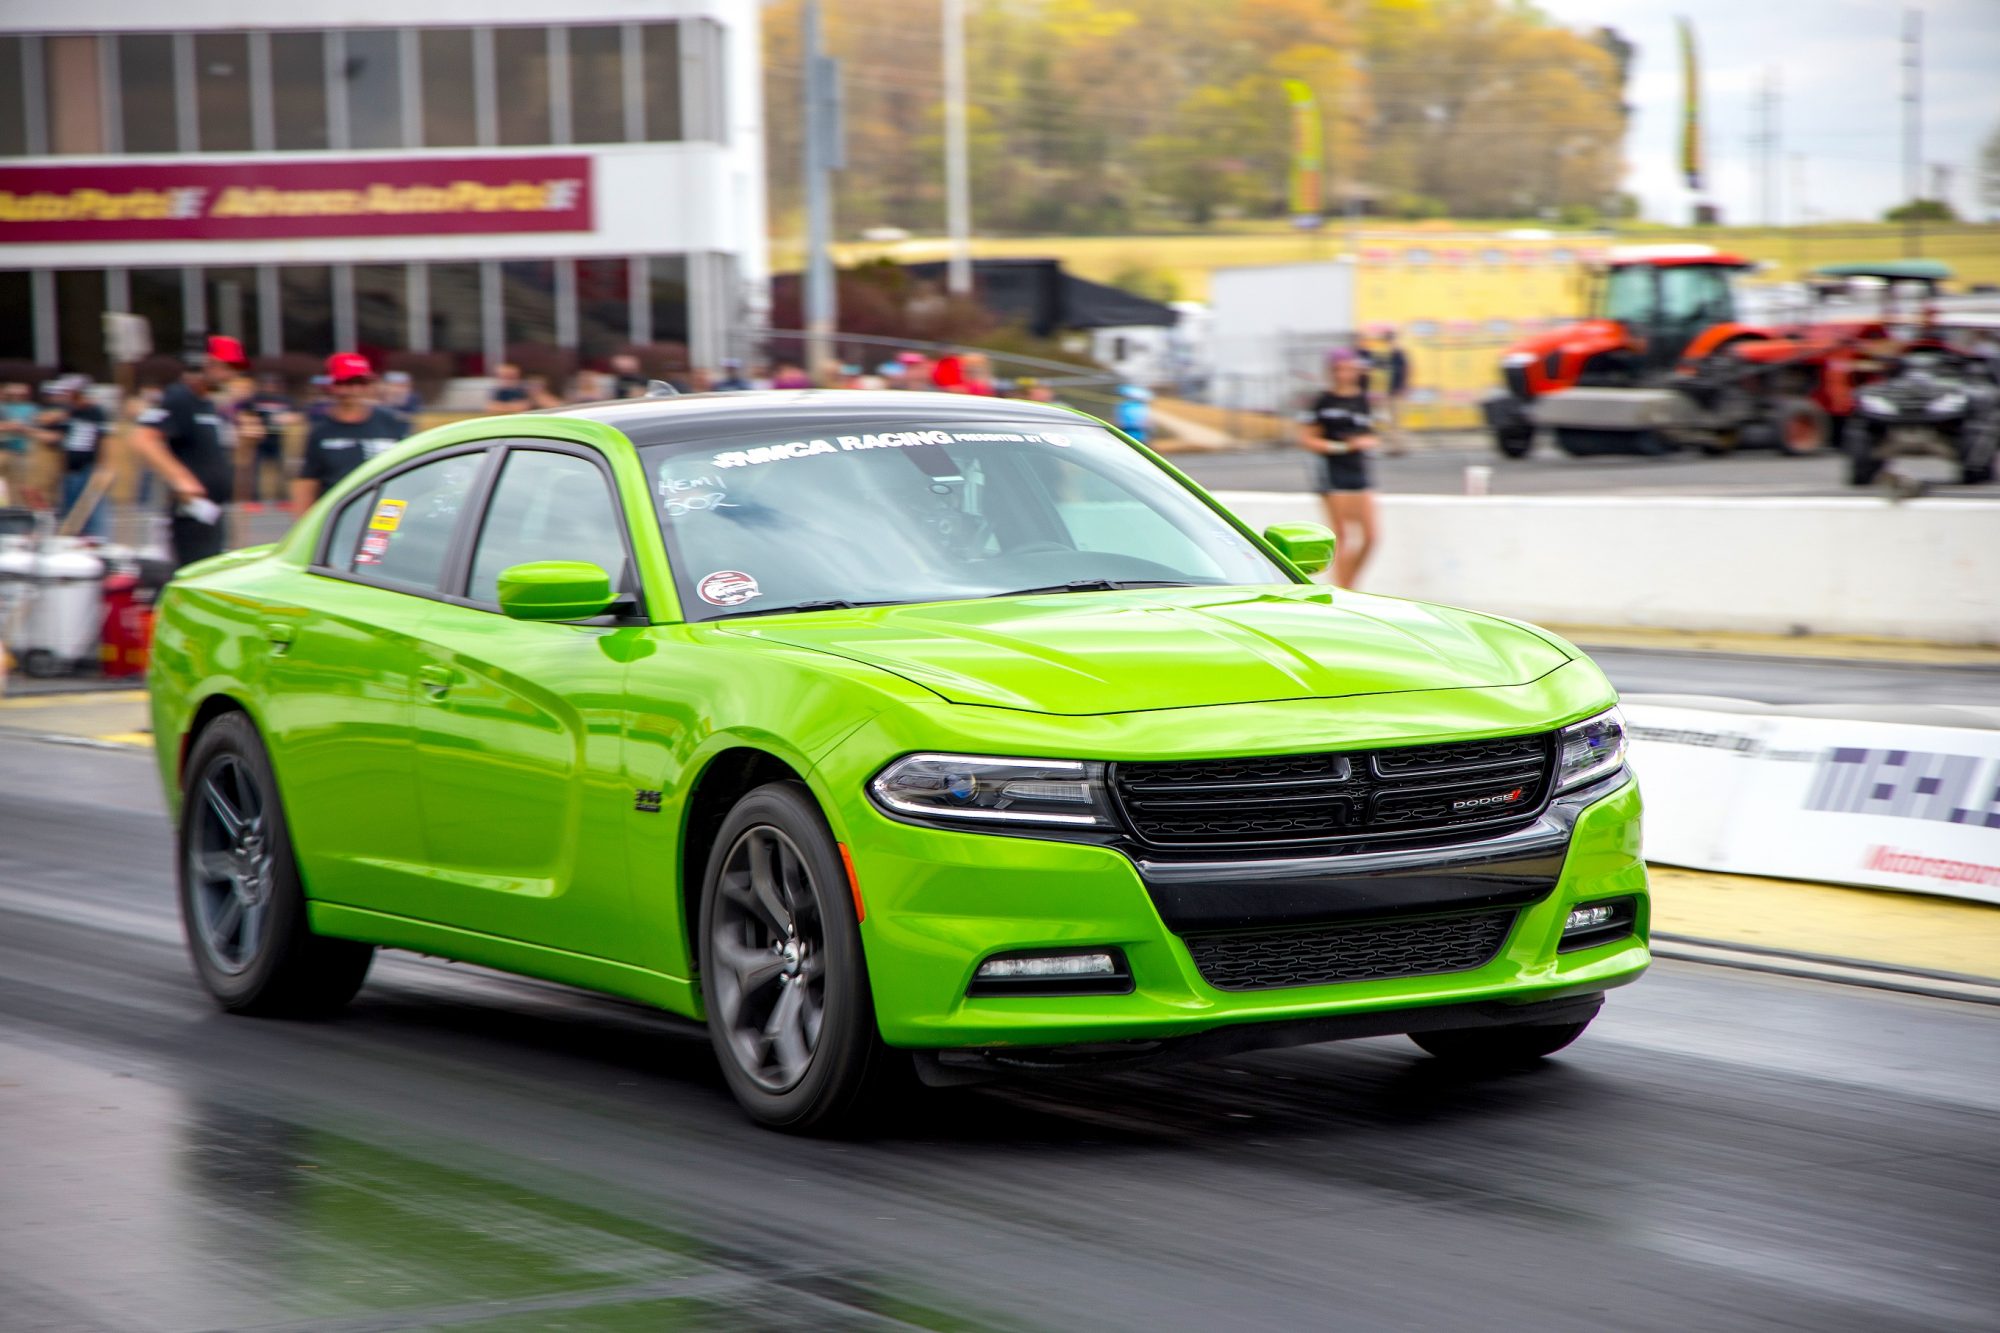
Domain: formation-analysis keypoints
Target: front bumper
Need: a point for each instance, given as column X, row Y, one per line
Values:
column 939, row 902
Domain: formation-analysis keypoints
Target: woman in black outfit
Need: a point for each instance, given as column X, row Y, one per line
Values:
column 1341, row 429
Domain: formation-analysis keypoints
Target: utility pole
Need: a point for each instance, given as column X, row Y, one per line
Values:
column 824, row 155
column 957, row 181
column 1764, row 148
column 1913, row 36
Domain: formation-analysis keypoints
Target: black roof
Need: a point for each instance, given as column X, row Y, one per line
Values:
column 793, row 411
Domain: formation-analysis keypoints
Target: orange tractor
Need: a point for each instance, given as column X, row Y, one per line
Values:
column 1664, row 362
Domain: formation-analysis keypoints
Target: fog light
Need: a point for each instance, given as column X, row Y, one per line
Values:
column 1052, row 965
column 1099, row 971
column 1588, row 918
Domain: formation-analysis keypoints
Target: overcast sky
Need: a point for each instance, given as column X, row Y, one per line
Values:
column 1838, row 66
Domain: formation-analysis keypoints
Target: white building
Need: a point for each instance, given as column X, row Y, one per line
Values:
column 447, row 176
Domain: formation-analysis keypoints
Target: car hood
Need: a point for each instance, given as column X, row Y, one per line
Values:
column 1133, row 651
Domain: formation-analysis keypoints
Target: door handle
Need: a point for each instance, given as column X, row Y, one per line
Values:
column 280, row 635
column 438, row 680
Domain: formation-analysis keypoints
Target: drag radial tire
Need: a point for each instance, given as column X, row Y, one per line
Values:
column 1499, row 1047
column 242, row 906
column 782, row 975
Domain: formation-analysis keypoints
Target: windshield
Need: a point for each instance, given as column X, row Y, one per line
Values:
column 886, row 513
column 1628, row 295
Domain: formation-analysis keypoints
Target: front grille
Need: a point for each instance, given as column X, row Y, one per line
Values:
column 1364, row 951
column 1354, row 798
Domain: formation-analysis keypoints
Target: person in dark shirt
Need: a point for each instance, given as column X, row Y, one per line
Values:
column 1395, row 363
column 79, row 425
column 274, row 410
column 509, row 394
column 186, row 441
column 1340, row 428
column 355, row 429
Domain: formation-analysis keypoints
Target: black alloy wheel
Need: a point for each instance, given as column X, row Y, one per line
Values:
column 783, row 979
column 242, row 906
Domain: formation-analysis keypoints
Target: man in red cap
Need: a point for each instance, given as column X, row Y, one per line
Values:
column 185, row 439
column 354, row 429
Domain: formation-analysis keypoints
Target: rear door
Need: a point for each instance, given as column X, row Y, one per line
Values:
column 342, row 679
column 520, row 724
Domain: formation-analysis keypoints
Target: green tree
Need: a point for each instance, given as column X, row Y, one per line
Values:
column 1922, row 210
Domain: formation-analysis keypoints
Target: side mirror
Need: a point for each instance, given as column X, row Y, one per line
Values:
column 555, row 590
column 1307, row 545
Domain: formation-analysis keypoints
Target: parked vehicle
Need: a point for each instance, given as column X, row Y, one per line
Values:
column 1937, row 402
column 886, row 732
column 1665, row 362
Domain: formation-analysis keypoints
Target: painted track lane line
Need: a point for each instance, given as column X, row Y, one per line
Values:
column 1815, row 967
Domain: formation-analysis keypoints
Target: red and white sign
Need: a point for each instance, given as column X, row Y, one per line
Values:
column 402, row 196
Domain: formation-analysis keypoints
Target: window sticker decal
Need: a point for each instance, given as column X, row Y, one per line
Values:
column 727, row 587
column 388, row 515
column 757, row 455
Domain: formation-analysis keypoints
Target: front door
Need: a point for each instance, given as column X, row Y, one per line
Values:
column 343, row 673
column 520, row 746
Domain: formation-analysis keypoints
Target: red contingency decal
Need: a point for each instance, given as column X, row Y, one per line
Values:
column 726, row 587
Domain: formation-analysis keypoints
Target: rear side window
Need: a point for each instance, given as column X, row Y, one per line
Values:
column 347, row 531
column 547, row 506
column 409, row 527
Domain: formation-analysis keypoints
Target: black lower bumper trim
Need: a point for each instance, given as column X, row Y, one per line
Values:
column 956, row 1067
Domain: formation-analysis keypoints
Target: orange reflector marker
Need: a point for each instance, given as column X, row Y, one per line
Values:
column 853, row 883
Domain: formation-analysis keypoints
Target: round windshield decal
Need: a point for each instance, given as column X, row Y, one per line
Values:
column 1059, row 440
column 726, row 587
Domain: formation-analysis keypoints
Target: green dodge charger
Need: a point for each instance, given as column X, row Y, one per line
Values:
column 888, row 734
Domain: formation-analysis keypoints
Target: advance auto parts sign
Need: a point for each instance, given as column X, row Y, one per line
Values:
column 405, row 196
column 1876, row 804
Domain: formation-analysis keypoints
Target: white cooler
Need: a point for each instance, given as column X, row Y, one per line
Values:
column 51, row 606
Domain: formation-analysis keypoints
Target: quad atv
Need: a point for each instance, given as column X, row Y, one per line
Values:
column 1936, row 403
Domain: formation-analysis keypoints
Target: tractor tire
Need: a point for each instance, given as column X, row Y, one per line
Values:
column 1803, row 426
column 1514, row 443
column 1862, row 464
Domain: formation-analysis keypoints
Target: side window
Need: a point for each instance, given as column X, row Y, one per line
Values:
column 1102, row 516
column 410, row 525
column 347, row 531
column 547, row 506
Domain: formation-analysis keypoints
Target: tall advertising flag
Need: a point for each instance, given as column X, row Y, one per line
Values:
column 1308, row 154
column 1690, row 108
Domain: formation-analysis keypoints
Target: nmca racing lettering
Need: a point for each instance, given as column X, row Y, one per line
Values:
column 774, row 453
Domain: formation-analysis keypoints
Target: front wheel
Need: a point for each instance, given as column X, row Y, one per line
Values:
column 782, row 975
column 1514, row 441
column 242, row 905
column 1498, row 1047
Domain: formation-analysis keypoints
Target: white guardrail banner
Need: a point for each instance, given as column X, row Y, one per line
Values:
column 1876, row 804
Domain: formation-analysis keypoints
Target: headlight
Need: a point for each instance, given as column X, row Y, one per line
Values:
column 970, row 789
column 1876, row 403
column 1948, row 404
column 1590, row 750
column 1517, row 360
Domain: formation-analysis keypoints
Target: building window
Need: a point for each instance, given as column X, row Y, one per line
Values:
column 455, row 324
column 298, row 90
column 381, row 298
column 158, row 296
column 17, row 316
column 13, row 100
column 521, row 82
column 450, row 110
column 603, row 308
column 668, row 284
column 528, row 300
column 305, row 296
column 597, row 84
column 661, row 43
column 147, row 111
column 222, row 91
column 373, row 75
column 75, row 102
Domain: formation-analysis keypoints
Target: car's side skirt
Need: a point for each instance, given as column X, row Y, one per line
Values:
column 674, row 994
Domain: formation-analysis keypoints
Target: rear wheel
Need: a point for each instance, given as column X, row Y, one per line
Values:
column 782, row 974
column 242, row 906
column 1498, row 1047
column 1803, row 426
